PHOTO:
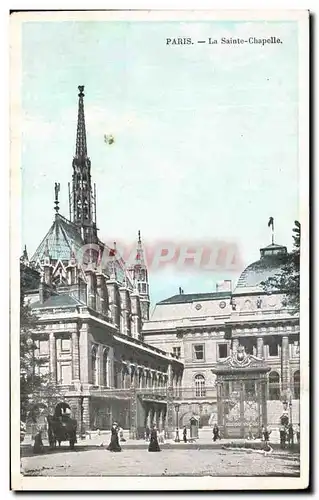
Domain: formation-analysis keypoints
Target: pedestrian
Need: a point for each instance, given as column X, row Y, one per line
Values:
column 147, row 433
column 114, row 443
column 298, row 434
column 266, row 434
column 185, row 434
column 154, row 446
column 38, row 444
column 161, row 436
column 290, row 435
column 215, row 432
column 282, row 433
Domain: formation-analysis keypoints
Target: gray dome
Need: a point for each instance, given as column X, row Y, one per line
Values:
column 272, row 259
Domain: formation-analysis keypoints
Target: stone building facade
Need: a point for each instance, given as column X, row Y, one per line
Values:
column 205, row 329
column 90, row 308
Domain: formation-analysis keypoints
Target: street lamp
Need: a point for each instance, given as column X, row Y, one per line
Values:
column 177, row 440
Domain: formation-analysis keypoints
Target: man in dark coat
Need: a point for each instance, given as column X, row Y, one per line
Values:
column 282, row 433
column 185, row 434
column 154, row 446
column 290, row 435
column 114, row 443
column 215, row 432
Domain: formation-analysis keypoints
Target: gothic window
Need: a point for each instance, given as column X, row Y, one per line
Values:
column 105, row 368
column 94, row 366
column 274, row 386
column 200, row 389
column 297, row 385
column 198, row 352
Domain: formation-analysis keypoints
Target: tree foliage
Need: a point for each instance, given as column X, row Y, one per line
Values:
column 288, row 281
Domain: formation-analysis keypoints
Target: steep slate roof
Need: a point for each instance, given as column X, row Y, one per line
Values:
column 62, row 236
column 57, row 301
column 192, row 297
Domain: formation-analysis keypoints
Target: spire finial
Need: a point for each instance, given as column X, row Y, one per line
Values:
column 56, row 201
column 139, row 236
column 81, row 149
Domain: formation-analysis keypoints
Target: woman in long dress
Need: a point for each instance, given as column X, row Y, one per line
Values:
column 114, row 443
column 154, row 446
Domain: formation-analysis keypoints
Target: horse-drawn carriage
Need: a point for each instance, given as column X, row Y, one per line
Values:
column 61, row 427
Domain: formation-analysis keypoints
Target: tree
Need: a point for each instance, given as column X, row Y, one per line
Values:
column 288, row 281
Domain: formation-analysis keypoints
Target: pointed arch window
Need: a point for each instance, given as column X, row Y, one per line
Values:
column 200, row 389
column 94, row 365
column 105, row 367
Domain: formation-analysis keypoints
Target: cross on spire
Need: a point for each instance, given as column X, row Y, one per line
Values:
column 81, row 147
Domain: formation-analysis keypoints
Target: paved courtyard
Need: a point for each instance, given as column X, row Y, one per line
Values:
column 169, row 462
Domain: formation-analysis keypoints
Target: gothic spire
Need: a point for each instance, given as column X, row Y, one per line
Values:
column 139, row 251
column 82, row 199
column 81, row 148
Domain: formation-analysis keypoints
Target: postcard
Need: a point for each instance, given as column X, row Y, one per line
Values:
column 159, row 243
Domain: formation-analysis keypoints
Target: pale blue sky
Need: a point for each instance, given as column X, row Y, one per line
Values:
column 206, row 139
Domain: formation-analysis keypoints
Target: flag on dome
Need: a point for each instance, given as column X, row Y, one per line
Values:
column 271, row 222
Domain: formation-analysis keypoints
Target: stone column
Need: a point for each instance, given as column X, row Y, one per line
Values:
column 170, row 402
column 260, row 347
column 133, row 423
column 75, row 357
column 285, row 382
column 52, row 350
column 86, row 414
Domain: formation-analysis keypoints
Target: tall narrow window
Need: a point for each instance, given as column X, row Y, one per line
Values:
column 177, row 351
column 105, row 367
column 297, row 385
column 274, row 386
column 273, row 348
column 198, row 352
column 94, row 366
column 200, row 389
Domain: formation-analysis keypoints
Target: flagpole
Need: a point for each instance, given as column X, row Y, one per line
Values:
column 273, row 233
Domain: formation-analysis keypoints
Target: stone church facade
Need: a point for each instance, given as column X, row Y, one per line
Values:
column 90, row 309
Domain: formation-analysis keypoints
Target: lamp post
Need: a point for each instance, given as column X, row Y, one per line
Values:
column 177, row 440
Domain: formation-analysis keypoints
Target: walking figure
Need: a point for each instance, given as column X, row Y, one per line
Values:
column 290, row 435
column 282, row 433
column 38, row 444
column 114, row 443
column 265, row 434
column 298, row 434
column 154, row 446
column 185, row 434
column 215, row 432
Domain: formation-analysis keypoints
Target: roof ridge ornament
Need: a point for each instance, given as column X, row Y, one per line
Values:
column 56, row 191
